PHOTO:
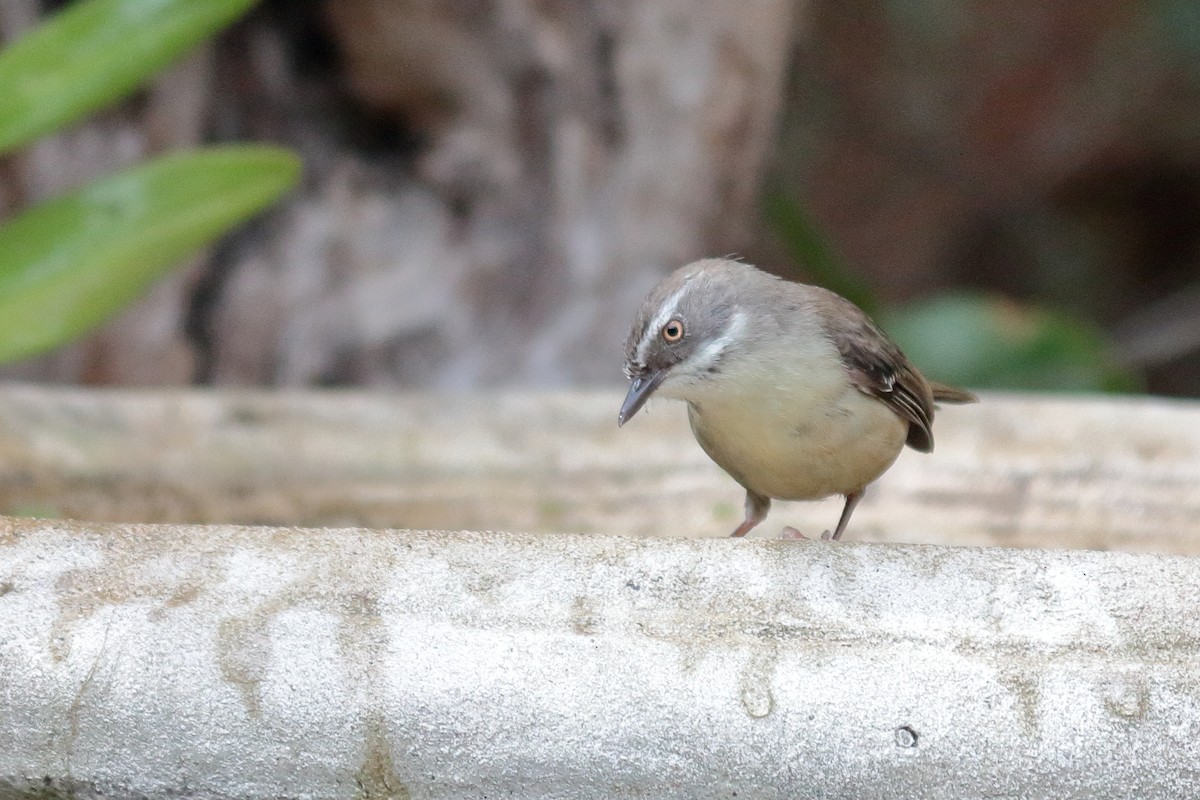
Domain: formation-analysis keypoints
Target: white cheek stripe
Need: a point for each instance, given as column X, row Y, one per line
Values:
column 661, row 318
column 703, row 359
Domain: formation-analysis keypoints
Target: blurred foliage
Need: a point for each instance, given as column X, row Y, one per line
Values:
column 68, row 264
column 94, row 53
column 990, row 342
column 964, row 339
column 790, row 221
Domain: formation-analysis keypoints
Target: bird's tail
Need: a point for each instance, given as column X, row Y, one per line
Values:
column 949, row 394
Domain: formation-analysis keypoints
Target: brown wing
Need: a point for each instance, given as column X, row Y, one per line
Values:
column 879, row 368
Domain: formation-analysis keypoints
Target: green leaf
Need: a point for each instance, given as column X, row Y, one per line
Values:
column 94, row 53
column 69, row 264
column 988, row 342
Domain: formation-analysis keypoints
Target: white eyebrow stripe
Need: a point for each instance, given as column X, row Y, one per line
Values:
column 664, row 314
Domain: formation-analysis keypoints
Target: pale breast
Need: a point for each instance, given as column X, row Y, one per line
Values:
column 822, row 437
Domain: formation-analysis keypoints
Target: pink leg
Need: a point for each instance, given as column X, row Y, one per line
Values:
column 757, row 507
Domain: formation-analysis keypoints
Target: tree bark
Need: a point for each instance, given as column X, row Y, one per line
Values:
column 530, row 170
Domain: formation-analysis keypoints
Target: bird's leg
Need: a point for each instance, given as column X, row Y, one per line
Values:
column 830, row 536
column 852, row 499
column 757, row 507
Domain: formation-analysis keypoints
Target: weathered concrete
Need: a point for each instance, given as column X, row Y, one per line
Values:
column 1100, row 473
column 217, row 662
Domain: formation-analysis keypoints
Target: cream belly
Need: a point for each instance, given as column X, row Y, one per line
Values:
column 804, row 445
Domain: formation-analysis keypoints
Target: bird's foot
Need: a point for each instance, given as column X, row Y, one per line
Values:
column 791, row 533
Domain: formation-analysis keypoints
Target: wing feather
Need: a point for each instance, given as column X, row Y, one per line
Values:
column 878, row 368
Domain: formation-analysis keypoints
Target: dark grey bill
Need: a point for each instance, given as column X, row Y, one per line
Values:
column 639, row 392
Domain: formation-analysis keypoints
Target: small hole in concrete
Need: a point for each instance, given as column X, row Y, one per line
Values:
column 906, row 737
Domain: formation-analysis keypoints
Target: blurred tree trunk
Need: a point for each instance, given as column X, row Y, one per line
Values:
column 491, row 186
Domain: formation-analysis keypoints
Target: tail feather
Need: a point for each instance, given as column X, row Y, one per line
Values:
column 949, row 394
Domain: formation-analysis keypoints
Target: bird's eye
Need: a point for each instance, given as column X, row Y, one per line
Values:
column 673, row 331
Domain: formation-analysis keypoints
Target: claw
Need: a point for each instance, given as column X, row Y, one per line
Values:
column 791, row 533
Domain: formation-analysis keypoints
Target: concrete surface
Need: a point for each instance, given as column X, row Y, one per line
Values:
column 223, row 662
column 142, row 660
column 1080, row 472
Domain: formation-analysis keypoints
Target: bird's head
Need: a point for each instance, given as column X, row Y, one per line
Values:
column 685, row 331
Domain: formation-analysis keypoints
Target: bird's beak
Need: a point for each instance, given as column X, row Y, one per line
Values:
column 639, row 392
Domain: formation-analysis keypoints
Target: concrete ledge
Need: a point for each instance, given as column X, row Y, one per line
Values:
column 1102, row 473
column 222, row 662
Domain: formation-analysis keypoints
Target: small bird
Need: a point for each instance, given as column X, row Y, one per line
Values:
column 791, row 388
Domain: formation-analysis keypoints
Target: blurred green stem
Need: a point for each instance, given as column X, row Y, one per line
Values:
column 809, row 248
